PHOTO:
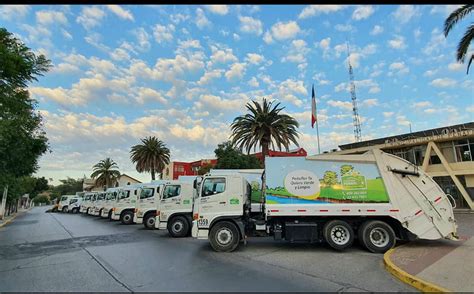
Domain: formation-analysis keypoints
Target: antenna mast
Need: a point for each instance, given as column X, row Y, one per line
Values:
column 355, row 110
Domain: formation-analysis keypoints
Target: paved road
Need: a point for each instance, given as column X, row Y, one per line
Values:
column 63, row 252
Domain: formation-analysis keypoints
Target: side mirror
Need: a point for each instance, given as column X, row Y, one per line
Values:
column 195, row 183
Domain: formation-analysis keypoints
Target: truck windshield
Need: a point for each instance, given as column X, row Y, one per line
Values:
column 101, row 196
column 74, row 200
column 123, row 194
column 147, row 193
column 171, row 191
column 63, row 198
column 213, row 186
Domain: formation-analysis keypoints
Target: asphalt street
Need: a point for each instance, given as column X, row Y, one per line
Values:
column 64, row 252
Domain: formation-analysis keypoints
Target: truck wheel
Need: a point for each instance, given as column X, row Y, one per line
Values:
column 110, row 215
column 149, row 221
column 338, row 234
column 224, row 237
column 178, row 227
column 377, row 236
column 64, row 209
column 75, row 210
column 87, row 211
column 127, row 217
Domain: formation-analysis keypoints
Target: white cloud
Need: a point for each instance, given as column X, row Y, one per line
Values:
column 417, row 33
column 95, row 40
column 443, row 82
column 143, row 39
column 250, row 25
column 90, row 17
column 397, row 43
column 236, row 36
column 253, row 82
column 376, row 30
column 236, row 71
column 312, row 10
column 369, row 102
column 290, row 89
column 400, row 67
column 455, row 66
column 221, row 56
column 325, row 43
column 65, row 68
column 284, row 30
column 436, row 43
column 445, row 10
column 388, row 114
column 148, row 94
column 48, row 17
column 66, row 34
column 470, row 108
column 10, row 12
column 422, row 104
column 120, row 12
column 218, row 9
column 405, row 13
column 254, row 58
column 207, row 102
column 179, row 17
column 297, row 52
column 430, row 73
column 163, row 33
column 344, row 28
column 201, row 19
column 374, row 90
column 209, row 76
column 340, row 104
column 402, row 120
column 267, row 37
column 362, row 12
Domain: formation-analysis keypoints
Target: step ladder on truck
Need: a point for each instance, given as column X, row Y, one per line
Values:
column 374, row 197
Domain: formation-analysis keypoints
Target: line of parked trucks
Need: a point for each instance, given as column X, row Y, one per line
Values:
column 375, row 198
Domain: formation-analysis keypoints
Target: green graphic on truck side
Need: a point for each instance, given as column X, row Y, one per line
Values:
column 234, row 201
column 186, row 201
column 353, row 182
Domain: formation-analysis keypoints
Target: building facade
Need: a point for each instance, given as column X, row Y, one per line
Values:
column 446, row 154
column 123, row 180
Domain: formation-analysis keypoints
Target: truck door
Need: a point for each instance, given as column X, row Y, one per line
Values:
column 170, row 201
column 147, row 199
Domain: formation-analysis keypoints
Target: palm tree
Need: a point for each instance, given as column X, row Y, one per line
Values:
column 264, row 126
column 150, row 156
column 463, row 45
column 105, row 172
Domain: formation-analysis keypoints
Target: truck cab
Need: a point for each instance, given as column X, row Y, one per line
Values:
column 222, row 200
column 64, row 202
column 175, row 208
column 110, row 200
column 74, row 204
column 86, row 202
column 124, row 207
column 98, row 204
column 145, row 209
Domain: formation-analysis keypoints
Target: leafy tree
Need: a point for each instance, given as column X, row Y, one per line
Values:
column 22, row 141
column 41, row 199
column 68, row 186
column 150, row 156
column 229, row 157
column 456, row 16
column 264, row 126
column 204, row 169
column 105, row 173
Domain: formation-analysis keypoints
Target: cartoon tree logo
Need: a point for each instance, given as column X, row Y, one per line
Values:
column 346, row 170
column 330, row 178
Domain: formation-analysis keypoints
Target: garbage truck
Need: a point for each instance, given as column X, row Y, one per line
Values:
column 124, row 207
column 110, row 199
column 98, row 204
column 174, row 208
column 145, row 207
column 64, row 202
column 374, row 197
column 89, row 198
column 74, row 204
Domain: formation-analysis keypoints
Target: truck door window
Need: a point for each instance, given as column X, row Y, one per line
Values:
column 124, row 194
column 63, row 198
column 147, row 193
column 73, row 201
column 171, row 191
column 213, row 186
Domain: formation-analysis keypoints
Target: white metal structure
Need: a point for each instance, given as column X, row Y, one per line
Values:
column 414, row 205
column 145, row 208
column 74, row 204
column 64, row 202
column 125, row 204
column 110, row 200
column 175, row 208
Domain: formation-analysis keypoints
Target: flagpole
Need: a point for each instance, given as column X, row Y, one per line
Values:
column 314, row 116
column 317, row 132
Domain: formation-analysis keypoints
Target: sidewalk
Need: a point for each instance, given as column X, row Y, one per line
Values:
column 10, row 218
column 441, row 265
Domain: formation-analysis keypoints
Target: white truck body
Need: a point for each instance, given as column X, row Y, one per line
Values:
column 98, row 204
column 74, row 204
column 149, row 196
column 125, row 204
column 331, row 198
column 64, row 202
column 87, row 202
column 175, row 207
column 110, row 200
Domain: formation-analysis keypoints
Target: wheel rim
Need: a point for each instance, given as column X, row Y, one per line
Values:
column 177, row 227
column 151, row 221
column 340, row 235
column 126, row 218
column 379, row 237
column 224, row 236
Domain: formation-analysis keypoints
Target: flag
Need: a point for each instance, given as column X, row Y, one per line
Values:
column 313, row 110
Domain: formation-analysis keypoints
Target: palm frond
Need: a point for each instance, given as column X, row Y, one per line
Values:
column 456, row 16
column 464, row 43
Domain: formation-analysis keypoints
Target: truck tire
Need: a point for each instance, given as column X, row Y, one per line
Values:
column 87, row 211
column 149, row 221
column 224, row 237
column 377, row 236
column 110, row 215
column 64, row 209
column 127, row 217
column 178, row 227
column 338, row 234
column 75, row 210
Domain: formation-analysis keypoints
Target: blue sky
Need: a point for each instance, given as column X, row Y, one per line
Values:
column 182, row 73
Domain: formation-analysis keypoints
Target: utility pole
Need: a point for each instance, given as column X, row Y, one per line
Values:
column 355, row 110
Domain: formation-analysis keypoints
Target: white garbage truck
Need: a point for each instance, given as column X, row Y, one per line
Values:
column 87, row 202
column 74, row 204
column 64, row 202
column 125, row 204
column 109, row 204
column 374, row 197
column 145, row 207
column 98, row 204
column 174, row 208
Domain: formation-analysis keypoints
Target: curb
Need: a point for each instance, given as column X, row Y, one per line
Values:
column 8, row 221
column 409, row 279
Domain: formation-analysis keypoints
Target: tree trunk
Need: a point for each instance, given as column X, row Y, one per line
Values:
column 152, row 172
